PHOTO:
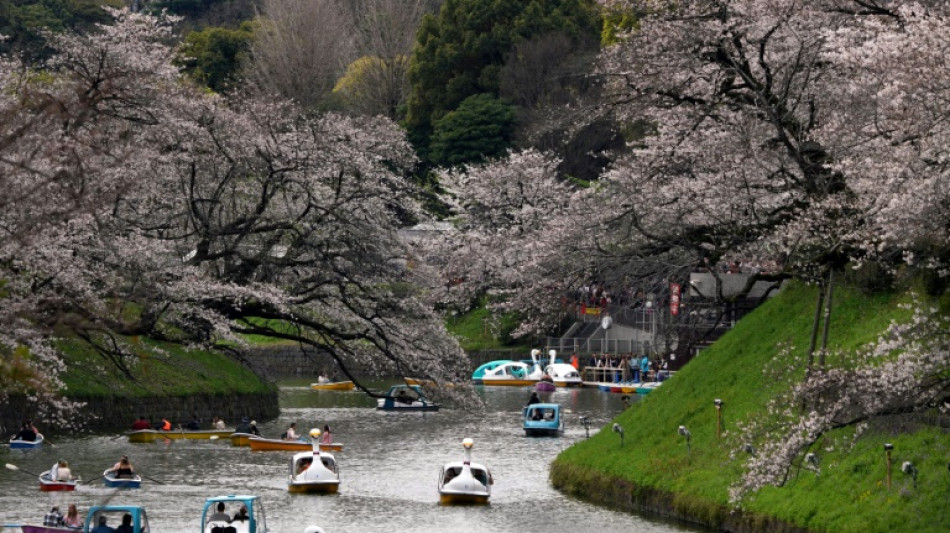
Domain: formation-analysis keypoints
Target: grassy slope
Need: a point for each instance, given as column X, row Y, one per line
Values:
column 850, row 495
column 157, row 371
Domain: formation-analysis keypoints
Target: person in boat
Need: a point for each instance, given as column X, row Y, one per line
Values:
column 164, row 425
column 241, row 514
column 291, row 433
column 403, row 396
column 140, row 424
column 326, row 437
column 254, row 430
column 72, row 518
column 534, row 399
column 243, row 427
column 323, row 378
column 123, row 469
column 60, row 471
column 195, row 424
column 126, row 526
column 537, row 414
column 103, row 526
column 221, row 515
column 27, row 432
column 218, row 423
column 53, row 518
column 303, row 465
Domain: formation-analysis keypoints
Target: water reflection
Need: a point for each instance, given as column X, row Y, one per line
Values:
column 388, row 468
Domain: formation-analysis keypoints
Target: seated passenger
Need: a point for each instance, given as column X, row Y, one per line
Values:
column 126, row 526
column 241, row 514
column 220, row 515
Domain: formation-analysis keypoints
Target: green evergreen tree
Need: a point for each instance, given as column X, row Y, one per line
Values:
column 460, row 52
column 213, row 56
column 479, row 129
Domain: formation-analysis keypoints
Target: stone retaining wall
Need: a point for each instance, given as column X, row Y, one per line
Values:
column 118, row 413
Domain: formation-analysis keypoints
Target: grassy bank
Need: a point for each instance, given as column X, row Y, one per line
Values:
column 654, row 470
column 155, row 370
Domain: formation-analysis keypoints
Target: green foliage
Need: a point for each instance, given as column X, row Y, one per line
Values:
column 213, row 56
column 156, row 369
column 617, row 21
column 188, row 8
column 850, row 495
column 479, row 129
column 459, row 53
column 478, row 330
column 23, row 23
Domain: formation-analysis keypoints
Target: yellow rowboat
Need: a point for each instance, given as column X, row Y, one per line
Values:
column 333, row 385
column 241, row 439
column 151, row 435
column 262, row 444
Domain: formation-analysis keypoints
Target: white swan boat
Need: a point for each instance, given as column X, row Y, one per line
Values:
column 465, row 481
column 313, row 471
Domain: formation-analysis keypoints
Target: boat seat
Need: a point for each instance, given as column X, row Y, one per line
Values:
column 220, row 527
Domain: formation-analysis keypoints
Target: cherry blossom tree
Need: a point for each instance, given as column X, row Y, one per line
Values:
column 810, row 134
column 140, row 205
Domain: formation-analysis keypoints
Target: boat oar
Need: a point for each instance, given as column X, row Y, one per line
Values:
column 143, row 476
column 97, row 478
column 15, row 467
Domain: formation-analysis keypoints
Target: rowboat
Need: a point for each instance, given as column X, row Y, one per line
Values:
column 464, row 481
column 333, row 385
column 542, row 420
column 241, row 439
column 313, row 471
column 27, row 444
column 111, row 480
column 36, row 528
column 262, row 444
column 405, row 398
column 47, row 484
column 151, row 435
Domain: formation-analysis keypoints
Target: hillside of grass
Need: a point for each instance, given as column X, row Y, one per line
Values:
column 848, row 494
column 477, row 330
column 155, row 369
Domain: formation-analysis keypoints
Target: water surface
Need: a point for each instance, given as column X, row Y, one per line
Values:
column 389, row 470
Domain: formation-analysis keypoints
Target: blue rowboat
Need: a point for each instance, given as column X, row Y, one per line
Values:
column 111, row 480
column 27, row 444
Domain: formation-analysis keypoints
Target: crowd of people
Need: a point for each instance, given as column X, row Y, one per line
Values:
column 194, row 424
column 628, row 367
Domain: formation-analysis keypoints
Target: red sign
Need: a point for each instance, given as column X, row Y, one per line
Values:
column 674, row 298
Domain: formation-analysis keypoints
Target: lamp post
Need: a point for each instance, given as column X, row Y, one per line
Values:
column 718, row 404
column 911, row 470
column 887, row 451
column 687, row 435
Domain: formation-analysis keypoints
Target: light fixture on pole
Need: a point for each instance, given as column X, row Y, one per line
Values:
column 687, row 435
column 888, row 447
column 619, row 430
column 585, row 420
column 908, row 468
column 812, row 459
column 718, row 404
